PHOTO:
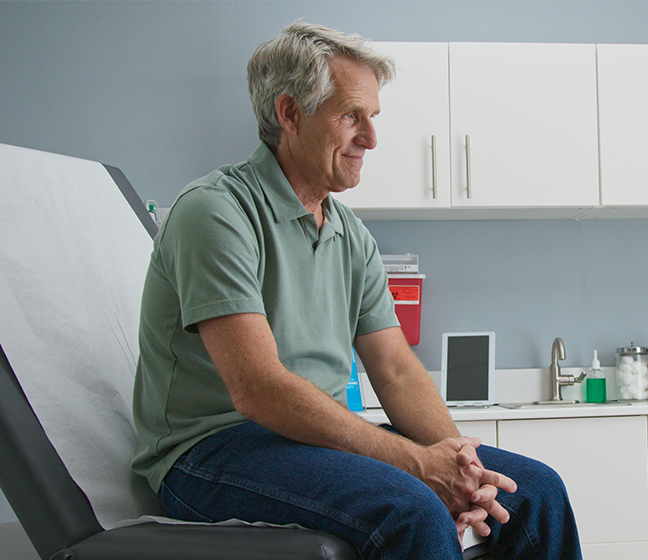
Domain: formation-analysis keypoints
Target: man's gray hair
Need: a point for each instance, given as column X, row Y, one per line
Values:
column 296, row 63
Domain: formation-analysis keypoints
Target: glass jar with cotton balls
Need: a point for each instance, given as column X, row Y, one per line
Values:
column 632, row 372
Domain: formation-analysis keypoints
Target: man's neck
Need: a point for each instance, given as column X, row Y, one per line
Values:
column 313, row 198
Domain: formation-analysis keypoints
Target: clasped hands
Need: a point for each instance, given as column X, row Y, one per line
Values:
column 467, row 489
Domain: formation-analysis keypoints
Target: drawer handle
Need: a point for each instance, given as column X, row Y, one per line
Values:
column 434, row 168
column 468, row 177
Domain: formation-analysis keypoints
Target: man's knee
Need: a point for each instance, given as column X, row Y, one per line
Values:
column 419, row 524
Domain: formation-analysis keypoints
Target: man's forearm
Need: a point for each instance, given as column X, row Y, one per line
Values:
column 415, row 408
column 405, row 390
column 302, row 412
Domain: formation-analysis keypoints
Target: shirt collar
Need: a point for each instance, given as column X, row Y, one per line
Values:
column 331, row 216
column 280, row 195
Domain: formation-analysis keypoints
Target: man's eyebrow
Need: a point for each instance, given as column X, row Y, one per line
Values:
column 355, row 108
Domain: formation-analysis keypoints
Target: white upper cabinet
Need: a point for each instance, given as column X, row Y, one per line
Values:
column 623, row 121
column 405, row 170
column 529, row 112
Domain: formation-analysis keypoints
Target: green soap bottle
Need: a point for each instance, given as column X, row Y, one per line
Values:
column 595, row 391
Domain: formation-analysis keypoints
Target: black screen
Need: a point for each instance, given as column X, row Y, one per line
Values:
column 467, row 368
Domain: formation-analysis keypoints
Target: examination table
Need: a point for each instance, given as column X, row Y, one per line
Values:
column 75, row 242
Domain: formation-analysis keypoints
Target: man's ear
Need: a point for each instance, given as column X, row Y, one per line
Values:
column 288, row 114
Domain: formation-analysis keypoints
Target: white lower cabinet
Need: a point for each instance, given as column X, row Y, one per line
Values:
column 486, row 430
column 601, row 456
column 604, row 464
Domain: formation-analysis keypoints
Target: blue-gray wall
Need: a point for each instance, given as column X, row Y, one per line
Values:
column 158, row 89
column 530, row 281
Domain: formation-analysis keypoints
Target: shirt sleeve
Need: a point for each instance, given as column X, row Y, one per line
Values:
column 209, row 250
column 377, row 310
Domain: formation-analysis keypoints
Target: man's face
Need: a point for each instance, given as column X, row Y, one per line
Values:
column 332, row 142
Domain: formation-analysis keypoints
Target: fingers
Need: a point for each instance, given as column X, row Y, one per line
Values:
column 486, row 495
column 474, row 492
column 461, row 441
column 475, row 518
column 465, row 486
column 467, row 455
column 485, row 499
column 498, row 480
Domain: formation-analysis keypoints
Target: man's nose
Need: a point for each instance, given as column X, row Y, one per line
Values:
column 367, row 137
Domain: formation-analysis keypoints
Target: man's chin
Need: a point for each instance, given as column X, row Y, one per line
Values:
column 347, row 184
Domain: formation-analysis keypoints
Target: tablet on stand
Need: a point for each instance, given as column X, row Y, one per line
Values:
column 467, row 368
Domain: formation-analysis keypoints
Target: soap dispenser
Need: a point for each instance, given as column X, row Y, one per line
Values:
column 595, row 391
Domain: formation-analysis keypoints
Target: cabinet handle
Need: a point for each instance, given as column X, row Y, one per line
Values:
column 468, row 177
column 434, row 168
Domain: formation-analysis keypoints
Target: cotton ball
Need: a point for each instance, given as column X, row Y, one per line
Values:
column 625, row 367
column 636, row 367
column 625, row 393
column 626, row 377
column 634, row 391
column 626, row 360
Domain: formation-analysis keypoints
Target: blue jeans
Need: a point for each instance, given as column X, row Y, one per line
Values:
column 249, row 473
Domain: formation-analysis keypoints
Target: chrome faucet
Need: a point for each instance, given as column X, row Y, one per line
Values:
column 557, row 379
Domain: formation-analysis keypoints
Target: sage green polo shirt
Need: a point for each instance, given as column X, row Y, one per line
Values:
column 240, row 241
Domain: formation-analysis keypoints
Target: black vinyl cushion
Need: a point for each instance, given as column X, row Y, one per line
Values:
column 199, row 542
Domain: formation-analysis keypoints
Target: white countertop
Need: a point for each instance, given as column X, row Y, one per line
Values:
column 473, row 414
column 524, row 386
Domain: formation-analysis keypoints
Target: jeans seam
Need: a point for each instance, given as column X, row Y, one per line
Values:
column 378, row 541
column 165, row 488
column 297, row 501
column 524, row 530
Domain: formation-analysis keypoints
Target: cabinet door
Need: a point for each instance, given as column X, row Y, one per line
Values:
column 486, row 430
column 604, row 464
column 400, row 171
column 623, row 121
column 530, row 113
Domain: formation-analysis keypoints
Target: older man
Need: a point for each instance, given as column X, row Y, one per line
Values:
column 259, row 285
